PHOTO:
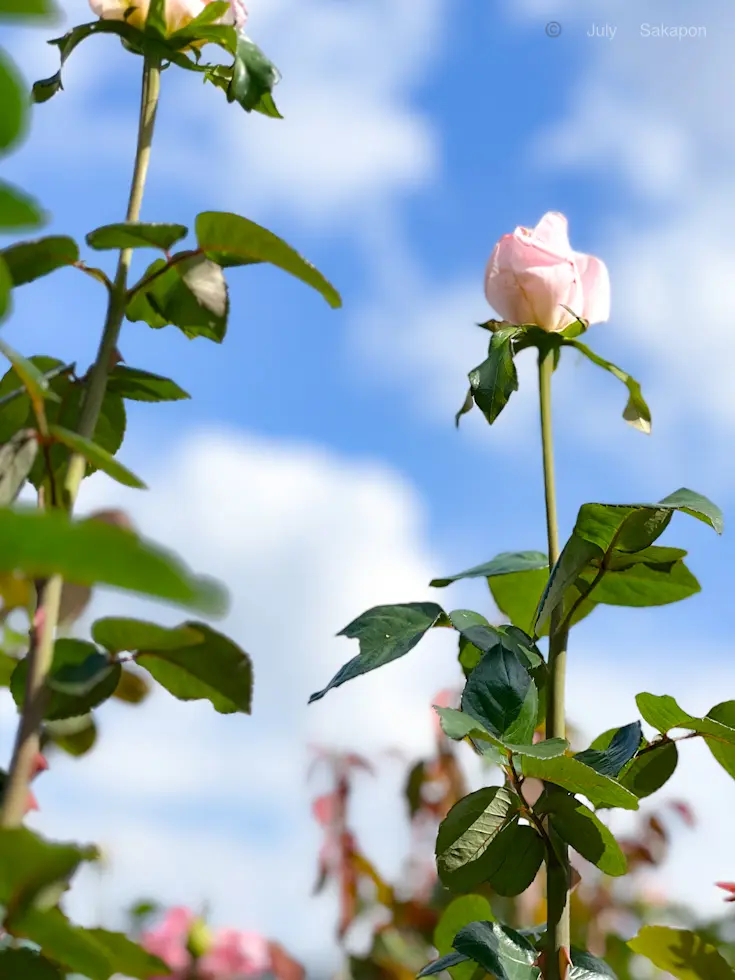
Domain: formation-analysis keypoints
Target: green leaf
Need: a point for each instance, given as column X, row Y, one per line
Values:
column 28, row 9
column 41, row 544
column 142, row 386
column 500, row 694
column 581, row 829
column 6, row 289
column 650, row 770
column 108, row 434
column 16, row 460
column 611, row 760
column 725, row 754
column 28, row 964
column 457, row 725
column 459, row 913
column 499, row 950
column 30, row 865
column 13, row 118
column 490, row 639
column 576, row 777
column 461, row 619
column 467, row 405
column 81, row 678
column 447, row 962
column 517, row 595
column 136, row 234
column 231, row 240
column 636, row 411
column 7, row 666
column 18, row 209
column 413, row 788
column 643, row 585
column 132, row 688
column 95, row 953
column 97, row 456
column 253, row 79
column 507, row 563
column 495, row 380
column 15, row 407
column 466, row 834
column 75, row 736
column 385, row 633
column 663, row 713
column 31, row 260
column 119, row 635
column 46, row 88
column 520, row 853
column 696, row 505
column 681, row 953
column 188, row 292
column 548, row 748
column 469, row 656
column 28, row 374
column 604, row 532
column 214, row 669
column 585, row 966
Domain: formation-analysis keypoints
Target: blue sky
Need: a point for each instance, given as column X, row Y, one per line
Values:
column 317, row 468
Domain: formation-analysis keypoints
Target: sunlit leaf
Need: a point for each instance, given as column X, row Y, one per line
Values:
column 681, row 953
column 385, row 633
column 136, row 234
column 90, row 552
column 231, row 240
column 31, row 260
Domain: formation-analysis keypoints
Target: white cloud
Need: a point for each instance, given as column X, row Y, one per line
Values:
column 196, row 806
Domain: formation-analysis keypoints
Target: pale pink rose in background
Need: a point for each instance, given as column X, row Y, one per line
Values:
column 168, row 940
column 533, row 273
column 178, row 12
column 235, row 954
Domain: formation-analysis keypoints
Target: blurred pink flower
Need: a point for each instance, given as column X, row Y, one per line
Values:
column 533, row 273
column 234, row 955
column 168, row 941
column 225, row 955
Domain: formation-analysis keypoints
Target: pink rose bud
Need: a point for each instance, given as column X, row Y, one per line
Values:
column 179, row 13
column 728, row 886
column 534, row 273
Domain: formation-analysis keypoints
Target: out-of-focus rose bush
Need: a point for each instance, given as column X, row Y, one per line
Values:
column 192, row 950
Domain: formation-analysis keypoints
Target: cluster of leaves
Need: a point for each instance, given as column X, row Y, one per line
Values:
column 498, row 836
column 494, row 381
column 41, row 405
column 249, row 80
column 421, row 917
